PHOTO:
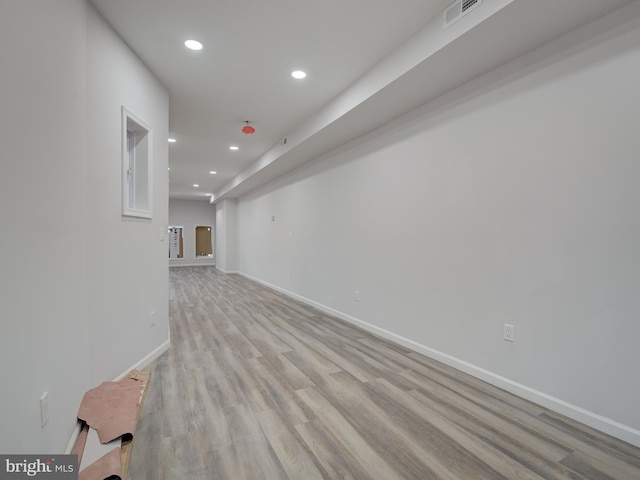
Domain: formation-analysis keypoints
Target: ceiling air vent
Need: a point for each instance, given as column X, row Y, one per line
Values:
column 458, row 10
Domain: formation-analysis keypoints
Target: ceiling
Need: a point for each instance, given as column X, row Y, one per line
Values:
column 368, row 61
column 244, row 70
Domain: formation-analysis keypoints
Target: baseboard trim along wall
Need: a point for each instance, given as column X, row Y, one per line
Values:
column 203, row 263
column 603, row 424
column 73, row 439
column 230, row 271
column 145, row 361
column 138, row 366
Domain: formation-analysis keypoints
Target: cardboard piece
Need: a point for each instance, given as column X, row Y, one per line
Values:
column 102, row 405
column 112, row 409
column 107, row 467
column 94, row 450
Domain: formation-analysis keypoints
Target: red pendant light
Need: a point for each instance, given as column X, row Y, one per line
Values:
column 248, row 129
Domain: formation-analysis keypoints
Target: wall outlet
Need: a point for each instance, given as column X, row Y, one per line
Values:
column 509, row 333
column 44, row 409
column 356, row 295
column 153, row 318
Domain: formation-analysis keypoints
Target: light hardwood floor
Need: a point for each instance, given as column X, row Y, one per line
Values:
column 257, row 386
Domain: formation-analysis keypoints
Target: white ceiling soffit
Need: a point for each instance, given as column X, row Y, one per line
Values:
column 434, row 61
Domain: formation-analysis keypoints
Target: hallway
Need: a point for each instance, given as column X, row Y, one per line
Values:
column 257, row 386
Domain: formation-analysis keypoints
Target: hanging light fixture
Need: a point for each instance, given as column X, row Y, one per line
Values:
column 248, row 129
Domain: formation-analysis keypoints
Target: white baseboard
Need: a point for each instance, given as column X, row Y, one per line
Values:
column 73, row 439
column 137, row 366
column 603, row 424
column 193, row 264
column 145, row 361
column 226, row 271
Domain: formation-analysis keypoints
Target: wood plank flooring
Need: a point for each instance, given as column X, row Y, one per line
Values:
column 257, row 386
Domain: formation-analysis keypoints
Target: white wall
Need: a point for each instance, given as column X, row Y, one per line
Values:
column 78, row 280
column 226, row 236
column 515, row 203
column 190, row 214
column 44, row 294
column 128, row 264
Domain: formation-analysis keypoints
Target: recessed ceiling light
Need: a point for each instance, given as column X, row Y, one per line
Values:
column 298, row 74
column 212, row 172
column 172, row 140
column 196, row 185
column 233, row 147
column 193, row 45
